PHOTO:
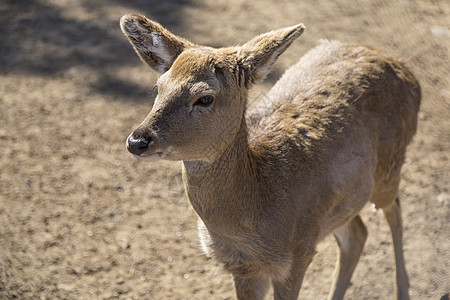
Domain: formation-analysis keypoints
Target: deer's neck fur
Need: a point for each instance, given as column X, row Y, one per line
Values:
column 230, row 182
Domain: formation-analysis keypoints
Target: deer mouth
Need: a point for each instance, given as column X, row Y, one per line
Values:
column 148, row 156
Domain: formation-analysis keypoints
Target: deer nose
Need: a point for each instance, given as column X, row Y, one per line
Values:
column 137, row 146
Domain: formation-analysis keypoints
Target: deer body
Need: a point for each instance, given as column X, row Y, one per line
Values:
column 269, row 184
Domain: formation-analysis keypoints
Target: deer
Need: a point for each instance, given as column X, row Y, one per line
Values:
column 268, row 184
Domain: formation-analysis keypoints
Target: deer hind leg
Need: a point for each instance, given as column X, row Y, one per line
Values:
column 254, row 288
column 350, row 239
column 394, row 219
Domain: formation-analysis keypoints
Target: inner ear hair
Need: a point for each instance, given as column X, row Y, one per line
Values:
column 259, row 54
column 155, row 45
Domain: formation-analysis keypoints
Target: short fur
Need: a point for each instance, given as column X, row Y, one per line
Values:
column 269, row 184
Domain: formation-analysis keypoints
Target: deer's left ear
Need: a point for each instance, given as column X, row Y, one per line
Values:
column 155, row 45
column 258, row 55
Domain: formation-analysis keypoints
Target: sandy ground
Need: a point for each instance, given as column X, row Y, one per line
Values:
column 81, row 219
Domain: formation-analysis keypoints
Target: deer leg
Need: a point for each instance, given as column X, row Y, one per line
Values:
column 289, row 288
column 254, row 288
column 394, row 218
column 350, row 239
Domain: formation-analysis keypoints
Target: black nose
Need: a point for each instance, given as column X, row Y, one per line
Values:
column 137, row 146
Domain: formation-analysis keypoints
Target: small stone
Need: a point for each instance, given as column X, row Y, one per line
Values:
column 65, row 286
column 440, row 31
column 442, row 197
column 122, row 240
column 373, row 208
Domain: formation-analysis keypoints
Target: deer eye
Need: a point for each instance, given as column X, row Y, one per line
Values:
column 204, row 101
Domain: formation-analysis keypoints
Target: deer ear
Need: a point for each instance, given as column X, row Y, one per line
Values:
column 258, row 55
column 155, row 45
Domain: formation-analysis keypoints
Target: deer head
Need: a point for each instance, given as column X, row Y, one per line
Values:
column 202, row 92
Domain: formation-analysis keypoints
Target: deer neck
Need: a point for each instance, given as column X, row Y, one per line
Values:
column 228, row 183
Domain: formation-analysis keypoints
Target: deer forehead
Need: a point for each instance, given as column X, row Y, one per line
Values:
column 192, row 72
column 193, row 64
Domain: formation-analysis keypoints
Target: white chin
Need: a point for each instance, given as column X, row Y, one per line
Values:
column 152, row 157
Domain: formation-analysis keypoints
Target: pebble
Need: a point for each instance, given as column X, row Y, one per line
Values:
column 440, row 31
column 442, row 198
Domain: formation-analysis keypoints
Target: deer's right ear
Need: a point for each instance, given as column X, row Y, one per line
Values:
column 155, row 45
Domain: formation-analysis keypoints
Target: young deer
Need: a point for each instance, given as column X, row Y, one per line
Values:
column 269, row 184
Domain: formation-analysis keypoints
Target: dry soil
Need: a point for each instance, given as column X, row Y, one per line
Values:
column 81, row 219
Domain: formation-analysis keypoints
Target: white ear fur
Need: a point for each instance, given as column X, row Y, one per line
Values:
column 154, row 44
column 150, row 42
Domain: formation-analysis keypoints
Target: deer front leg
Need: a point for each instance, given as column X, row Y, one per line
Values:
column 351, row 239
column 289, row 288
column 254, row 288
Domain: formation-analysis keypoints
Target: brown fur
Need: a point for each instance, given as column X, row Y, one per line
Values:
column 269, row 184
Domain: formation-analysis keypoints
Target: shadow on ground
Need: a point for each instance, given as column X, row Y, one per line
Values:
column 42, row 40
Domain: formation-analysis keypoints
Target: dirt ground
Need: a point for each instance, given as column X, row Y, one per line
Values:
column 81, row 219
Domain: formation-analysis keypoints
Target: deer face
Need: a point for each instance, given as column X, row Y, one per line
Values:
column 197, row 112
column 201, row 95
